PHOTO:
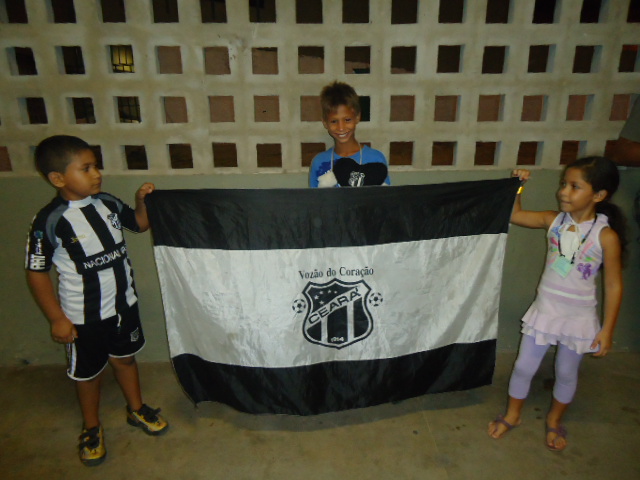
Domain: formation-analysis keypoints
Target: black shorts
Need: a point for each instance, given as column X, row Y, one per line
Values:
column 118, row 336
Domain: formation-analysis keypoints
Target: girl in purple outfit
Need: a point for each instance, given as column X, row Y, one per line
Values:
column 587, row 233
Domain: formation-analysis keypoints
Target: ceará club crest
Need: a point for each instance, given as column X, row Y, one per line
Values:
column 337, row 313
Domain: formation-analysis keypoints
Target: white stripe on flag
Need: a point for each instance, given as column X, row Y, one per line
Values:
column 235, row 306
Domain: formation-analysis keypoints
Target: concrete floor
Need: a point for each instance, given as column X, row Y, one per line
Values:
column 435, row 436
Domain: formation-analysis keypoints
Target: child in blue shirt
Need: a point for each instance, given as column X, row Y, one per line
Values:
column 347, row 163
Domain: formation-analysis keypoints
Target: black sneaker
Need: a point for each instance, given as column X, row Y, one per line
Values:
column 91, row 447
column 147, row 419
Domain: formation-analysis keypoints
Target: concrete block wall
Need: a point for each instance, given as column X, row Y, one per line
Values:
column 231, row 88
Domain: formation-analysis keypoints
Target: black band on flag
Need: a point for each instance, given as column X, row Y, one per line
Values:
column 335, row 386
column 333, row 217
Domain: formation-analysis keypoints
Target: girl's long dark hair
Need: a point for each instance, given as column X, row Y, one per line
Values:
column 602, row 174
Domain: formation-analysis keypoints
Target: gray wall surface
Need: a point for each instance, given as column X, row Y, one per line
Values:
column 26, row 339
column 485, row 105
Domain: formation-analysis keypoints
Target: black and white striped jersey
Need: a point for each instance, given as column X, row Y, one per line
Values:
column 84, row 240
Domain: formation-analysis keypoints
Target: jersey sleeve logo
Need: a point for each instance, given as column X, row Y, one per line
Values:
column 37, row 262
column 115, row 221
column 37, row 259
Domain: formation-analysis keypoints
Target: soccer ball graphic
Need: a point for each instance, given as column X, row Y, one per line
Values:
column 299, row 305
column 375, row 299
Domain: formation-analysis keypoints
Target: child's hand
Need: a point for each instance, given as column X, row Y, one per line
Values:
column 141, row 209
column 144, row 190
column 522, row 174
column 604, row 341
column 63, row 331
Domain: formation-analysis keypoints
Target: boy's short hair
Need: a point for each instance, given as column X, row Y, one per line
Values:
column 336, row 94
column 54, row 154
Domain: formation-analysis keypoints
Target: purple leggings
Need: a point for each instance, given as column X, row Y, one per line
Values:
column 528, row 361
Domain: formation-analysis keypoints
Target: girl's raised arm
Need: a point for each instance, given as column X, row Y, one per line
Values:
column 529, row 218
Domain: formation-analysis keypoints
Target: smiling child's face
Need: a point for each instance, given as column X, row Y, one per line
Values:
column 341, row 124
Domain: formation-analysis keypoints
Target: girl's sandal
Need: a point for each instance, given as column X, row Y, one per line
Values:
column 560, row 432
column 500, row 420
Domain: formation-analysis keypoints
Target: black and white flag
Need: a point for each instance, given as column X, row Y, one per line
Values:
column 304, row 301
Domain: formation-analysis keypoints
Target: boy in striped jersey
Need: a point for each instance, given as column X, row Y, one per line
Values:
column 95, row 313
